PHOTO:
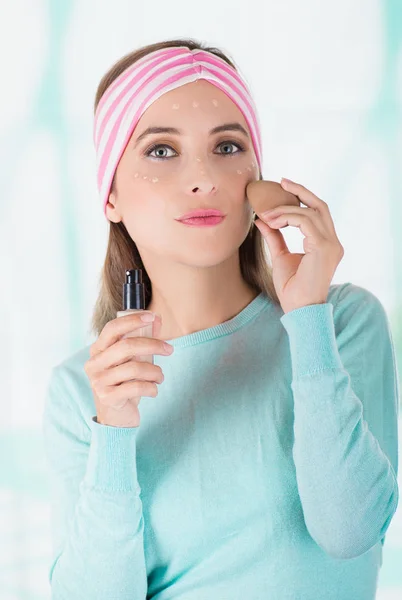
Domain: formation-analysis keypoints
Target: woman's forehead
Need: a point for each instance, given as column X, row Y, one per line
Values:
column 197, row 99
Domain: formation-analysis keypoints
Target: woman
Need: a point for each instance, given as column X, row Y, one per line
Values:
column 267, row 466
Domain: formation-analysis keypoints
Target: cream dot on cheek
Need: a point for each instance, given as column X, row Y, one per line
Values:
column 215, row 102
column 176, row 106
column 195, row 104
column 155, row 179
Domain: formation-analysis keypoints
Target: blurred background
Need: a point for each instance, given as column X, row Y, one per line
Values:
column 327, row 81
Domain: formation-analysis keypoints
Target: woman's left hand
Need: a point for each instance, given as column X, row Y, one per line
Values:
column 302, row 279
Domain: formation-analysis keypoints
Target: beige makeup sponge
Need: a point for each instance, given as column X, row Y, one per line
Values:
column 266, row 195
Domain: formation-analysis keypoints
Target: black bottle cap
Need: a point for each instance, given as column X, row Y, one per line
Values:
column 134, row 290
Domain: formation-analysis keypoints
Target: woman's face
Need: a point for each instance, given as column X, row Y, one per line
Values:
column 164, row 175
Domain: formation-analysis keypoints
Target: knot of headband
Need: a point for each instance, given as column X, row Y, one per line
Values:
column 133, row 91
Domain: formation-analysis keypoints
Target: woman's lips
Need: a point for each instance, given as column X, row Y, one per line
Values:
column 202, row 221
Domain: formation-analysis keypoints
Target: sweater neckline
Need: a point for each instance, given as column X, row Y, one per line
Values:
column 242, row 318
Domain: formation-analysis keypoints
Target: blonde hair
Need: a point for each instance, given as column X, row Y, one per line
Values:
column 122, row 252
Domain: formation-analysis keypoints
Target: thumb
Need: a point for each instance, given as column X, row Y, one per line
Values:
column 273, row 237
column 157, row 326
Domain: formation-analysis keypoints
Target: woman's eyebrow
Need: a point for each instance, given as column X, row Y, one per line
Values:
column 173, row 130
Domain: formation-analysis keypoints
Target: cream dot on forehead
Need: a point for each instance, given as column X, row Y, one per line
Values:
column 176, row 106
column 195, row 104
column 215, row 102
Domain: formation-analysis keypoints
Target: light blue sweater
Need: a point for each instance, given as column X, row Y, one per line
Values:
column 265, row 469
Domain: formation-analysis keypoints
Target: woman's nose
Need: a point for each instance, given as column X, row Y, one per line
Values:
column 201, row 178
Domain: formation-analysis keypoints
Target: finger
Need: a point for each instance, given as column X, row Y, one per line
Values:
column 125, row 350
column 309, row 199
column 117, row 396
column 115, row 329
column 128, row 371
column 308, row 212
column 157, row 327
column 305, row 224
column 274, row 238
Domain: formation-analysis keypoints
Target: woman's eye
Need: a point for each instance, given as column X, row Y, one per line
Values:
column 227, row 144
column 158, row 147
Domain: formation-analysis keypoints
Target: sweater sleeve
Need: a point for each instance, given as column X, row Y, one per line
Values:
column 346, row 400
column 97, row 519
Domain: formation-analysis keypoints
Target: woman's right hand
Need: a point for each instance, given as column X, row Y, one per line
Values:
column 112, row 366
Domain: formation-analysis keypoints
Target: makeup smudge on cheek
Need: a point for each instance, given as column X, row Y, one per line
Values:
column 154, row 179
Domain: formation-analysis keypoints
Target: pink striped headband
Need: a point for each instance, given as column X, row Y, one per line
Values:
column 134, row 90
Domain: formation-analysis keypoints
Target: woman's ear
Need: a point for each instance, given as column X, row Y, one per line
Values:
column 112, row 212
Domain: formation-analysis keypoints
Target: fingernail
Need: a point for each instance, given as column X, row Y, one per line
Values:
column 148, row 317
column 168, row 347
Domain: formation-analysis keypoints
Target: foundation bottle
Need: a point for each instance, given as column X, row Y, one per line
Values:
column 134, row 302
